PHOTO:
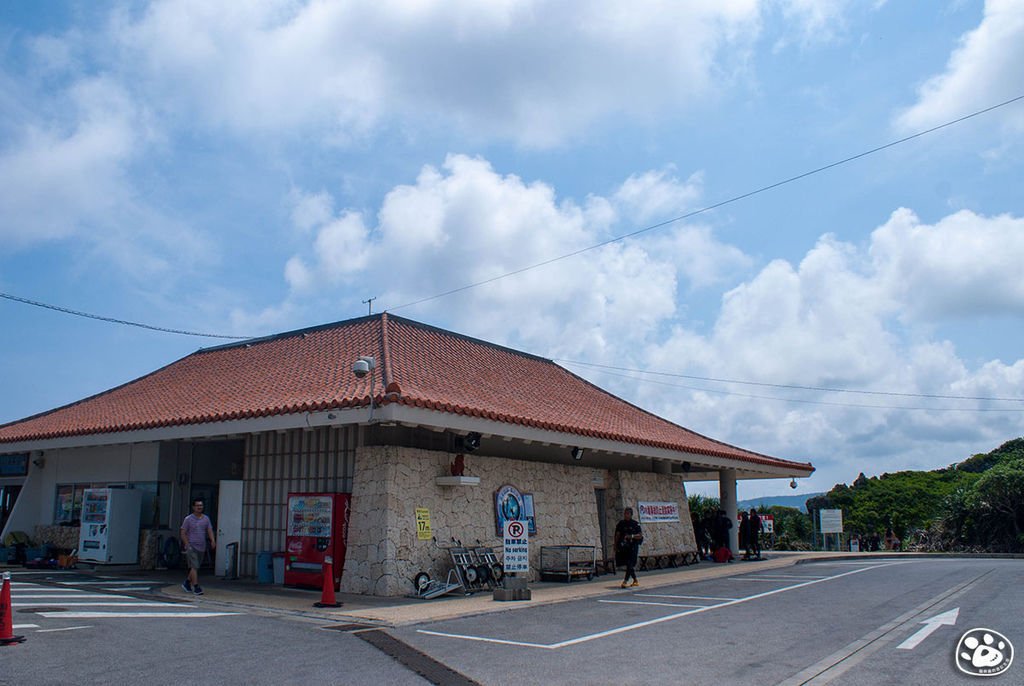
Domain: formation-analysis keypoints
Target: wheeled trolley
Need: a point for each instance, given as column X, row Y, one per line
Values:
column 567, row 562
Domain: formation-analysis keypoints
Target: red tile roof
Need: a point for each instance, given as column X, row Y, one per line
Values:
column 417, row 365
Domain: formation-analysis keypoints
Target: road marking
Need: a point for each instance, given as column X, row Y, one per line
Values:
column 25, row 626
column 930, row 625
column 102, row 583
column 682, row 597
column 67, row 628
column 70, row 596
column 647, row 602
column 652, row 622
column 137, row 603
column 127, row 615
column 786, row 576
column 825, row 670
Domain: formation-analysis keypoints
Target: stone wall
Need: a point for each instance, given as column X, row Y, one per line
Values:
column 384, row 553
column 659, row 537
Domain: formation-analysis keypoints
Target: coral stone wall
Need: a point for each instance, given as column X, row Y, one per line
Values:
column 659, row 537
column 384, row 553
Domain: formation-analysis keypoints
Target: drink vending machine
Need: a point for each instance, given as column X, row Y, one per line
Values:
column 110, row 525
column 317, row 528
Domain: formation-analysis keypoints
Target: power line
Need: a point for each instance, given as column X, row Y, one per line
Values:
column 708, row 208
column 793, row 386
column 812, row 402
column 112, row 320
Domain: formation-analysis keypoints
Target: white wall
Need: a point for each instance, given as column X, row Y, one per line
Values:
column 115, row 463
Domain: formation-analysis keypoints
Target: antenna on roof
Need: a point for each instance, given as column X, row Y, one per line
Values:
column 369, row 305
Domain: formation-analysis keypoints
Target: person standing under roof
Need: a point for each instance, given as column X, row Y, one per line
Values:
column 628, row 537
column 195, row 531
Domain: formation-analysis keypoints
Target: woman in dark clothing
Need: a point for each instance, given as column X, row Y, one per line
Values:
column 628, row 537
column 745, row 535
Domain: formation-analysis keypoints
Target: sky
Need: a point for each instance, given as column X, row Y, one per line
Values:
column 243, row 169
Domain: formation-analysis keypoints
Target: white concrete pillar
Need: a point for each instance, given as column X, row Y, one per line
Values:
column 727, row 497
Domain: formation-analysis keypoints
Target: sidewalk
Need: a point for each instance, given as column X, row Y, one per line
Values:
column 250, row 596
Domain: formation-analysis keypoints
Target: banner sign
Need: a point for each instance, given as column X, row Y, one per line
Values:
column 423, row 531
column 767, row 522
column 659, row 512
column 516, row 547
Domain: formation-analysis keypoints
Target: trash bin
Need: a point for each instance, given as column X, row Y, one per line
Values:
column 279, row 569
column 265, row 567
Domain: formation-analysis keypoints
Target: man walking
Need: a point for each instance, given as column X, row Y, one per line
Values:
column 195, row 531
column 628, row 537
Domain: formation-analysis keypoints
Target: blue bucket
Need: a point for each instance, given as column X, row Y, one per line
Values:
column 265, row 567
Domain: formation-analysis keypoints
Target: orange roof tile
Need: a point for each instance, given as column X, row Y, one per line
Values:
column 418, row 365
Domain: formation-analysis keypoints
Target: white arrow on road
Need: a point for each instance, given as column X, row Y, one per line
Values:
column 930, row 625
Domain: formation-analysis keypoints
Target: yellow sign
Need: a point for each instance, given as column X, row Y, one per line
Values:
column 423, row 531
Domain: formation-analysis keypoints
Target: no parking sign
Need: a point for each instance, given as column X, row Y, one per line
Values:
column 516, row 544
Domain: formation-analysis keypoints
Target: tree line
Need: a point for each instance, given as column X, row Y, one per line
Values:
column 974, row 505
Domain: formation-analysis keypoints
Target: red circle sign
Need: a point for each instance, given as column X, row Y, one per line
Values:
column 515, row 529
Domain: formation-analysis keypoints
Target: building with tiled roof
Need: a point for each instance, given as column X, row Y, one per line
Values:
column 287, row 414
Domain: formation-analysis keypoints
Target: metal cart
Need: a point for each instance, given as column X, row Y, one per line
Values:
column 567, row 562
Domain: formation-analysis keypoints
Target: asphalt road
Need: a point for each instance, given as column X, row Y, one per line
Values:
column 848, row 623
column 837, row 623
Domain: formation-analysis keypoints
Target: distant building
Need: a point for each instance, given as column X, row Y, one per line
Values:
column 286, row 413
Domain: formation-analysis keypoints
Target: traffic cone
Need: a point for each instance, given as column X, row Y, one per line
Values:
column 327, row 598
column 7, row 636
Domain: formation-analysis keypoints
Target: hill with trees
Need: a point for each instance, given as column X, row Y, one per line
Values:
column 973, row 505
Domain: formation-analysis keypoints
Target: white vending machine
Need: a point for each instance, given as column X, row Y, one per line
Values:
column 110, row 526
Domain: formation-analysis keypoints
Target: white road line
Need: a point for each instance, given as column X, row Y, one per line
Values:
column 129, row 615
column 67, row 628
column 25, row 626
column 70, row 596
column 658, row 620
column 790, row 576
column 102, row 583
column 647, row 602
column 682, row 597
column 103, row 604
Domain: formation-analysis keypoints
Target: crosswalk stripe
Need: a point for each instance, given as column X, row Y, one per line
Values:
column 137, row 603
column 74, row 596
column 127, row 615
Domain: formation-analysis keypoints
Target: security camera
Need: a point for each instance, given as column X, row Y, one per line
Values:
column 792, row 483
column 363, row 365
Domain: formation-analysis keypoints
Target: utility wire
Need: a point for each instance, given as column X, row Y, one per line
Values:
column 811, row 402
column 708, row 208
column 792, row 386
column 101, row 318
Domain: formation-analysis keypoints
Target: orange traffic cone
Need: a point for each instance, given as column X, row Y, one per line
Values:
column 327, row 598
column 7, row 636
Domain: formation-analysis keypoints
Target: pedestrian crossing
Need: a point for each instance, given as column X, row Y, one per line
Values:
column 93, row 599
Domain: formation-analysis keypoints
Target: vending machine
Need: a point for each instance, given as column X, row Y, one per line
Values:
column 317, row 528
column 110, row 526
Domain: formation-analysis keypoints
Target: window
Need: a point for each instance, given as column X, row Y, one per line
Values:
column 156, row 498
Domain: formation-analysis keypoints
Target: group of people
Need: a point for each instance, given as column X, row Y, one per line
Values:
column 712, row 533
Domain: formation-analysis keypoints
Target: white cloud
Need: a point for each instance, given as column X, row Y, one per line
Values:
column 533, row 71
column 986, row 68
column 855, row 317
column 464, row 223
column 962, row 266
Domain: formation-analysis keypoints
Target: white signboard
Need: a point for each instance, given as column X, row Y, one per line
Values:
column 659, row 512
column 831, row 521
column 516, row 547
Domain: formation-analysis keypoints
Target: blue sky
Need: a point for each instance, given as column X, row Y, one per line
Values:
column 251, row 168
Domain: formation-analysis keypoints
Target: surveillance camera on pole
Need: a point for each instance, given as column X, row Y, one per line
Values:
column 363, row 366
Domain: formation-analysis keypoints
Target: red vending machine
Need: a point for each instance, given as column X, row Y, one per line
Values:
column 317, row 527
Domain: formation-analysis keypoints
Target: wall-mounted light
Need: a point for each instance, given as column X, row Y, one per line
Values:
column 471, row 441
column 39, row 462
column 577, row 453
column 331, row 415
